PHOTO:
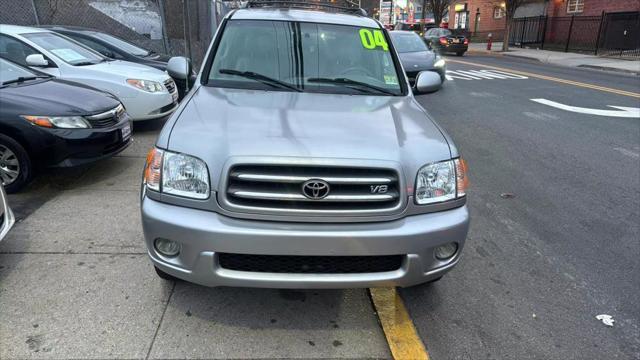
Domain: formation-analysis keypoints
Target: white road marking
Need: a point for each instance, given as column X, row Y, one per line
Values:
column 481, row 75
column 623, row 111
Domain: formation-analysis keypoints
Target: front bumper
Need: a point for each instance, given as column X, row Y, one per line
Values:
column 203, row 234
column 68, row 148
column 148, row 106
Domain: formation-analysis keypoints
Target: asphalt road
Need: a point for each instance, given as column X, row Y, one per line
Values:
column 538, row 266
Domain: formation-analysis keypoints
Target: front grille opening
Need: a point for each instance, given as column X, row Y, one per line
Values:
column 279, row 187
column 309, row 264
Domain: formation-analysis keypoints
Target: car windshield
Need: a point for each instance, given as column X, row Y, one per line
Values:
column 122, row 45
column 299, row 56
column 10, row 72
column 65, row 49
column 408, row 42
column 445, row 32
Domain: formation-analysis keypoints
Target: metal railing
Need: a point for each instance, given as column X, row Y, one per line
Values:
column 611, row 34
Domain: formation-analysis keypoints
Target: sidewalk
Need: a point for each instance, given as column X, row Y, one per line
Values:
column 562, row 58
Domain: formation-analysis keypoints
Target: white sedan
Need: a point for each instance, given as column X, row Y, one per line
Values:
column 146, row 93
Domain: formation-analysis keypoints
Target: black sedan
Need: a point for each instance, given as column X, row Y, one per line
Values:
column 116, row 48
column 443, row 40
column 416, row 56
column 48, row 122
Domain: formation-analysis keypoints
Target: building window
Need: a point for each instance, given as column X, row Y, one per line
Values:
column 575, row 6
column 498, row 12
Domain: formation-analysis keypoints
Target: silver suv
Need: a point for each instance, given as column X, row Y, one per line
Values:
column 301, row 159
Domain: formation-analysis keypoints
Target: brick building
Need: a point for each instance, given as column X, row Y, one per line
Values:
column 480, row 16
column 590, row 7
column 476, row 15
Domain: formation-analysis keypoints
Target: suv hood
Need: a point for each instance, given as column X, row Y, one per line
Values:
column 219, row 123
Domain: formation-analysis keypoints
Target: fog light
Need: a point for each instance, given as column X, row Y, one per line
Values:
column 446, row 251
column 167, row 247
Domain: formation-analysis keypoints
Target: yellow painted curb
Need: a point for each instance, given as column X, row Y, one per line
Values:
column 397, row 325
column 551, row 78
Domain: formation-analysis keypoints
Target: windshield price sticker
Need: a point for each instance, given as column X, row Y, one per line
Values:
column 373, row 39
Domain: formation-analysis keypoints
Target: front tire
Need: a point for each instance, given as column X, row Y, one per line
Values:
column 16, row 169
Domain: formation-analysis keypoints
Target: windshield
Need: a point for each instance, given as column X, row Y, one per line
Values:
column 445, row 32
column 65, row 49
column 122, row 45
column 11, row 72
column 408, row 42
column 310, row 57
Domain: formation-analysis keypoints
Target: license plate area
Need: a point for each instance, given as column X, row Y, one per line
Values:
column 126, row 132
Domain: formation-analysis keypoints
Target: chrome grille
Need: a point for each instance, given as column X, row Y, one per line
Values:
column 280, row 188
column 107, row 118
column 170, row 85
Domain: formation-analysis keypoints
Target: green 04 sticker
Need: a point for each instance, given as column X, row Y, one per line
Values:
column 373, row 39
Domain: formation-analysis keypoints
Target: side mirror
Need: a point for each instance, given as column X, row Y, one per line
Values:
column 108, row 54
column 37, row 60
column 179, row 67
column 428, row 81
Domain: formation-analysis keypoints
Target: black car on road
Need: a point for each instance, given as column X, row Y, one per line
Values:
column 443, row 40
column 48, row 122
column 119, row 49
column 416, row 56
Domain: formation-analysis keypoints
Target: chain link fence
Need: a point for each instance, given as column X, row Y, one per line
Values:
column 172, row 27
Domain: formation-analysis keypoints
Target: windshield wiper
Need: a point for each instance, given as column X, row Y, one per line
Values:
column 23, row 79
column 83, row 63
column 350, row 82
column 261, row 78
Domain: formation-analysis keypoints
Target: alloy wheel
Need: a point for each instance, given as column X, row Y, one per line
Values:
column 9, row 166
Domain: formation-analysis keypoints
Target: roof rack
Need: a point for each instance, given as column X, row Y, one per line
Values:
column 351, row 6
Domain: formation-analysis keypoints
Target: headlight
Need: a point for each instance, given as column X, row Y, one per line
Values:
column 146, row 85
column 439, row 63
column 441, row 181
column 64, row 122
column 176, row 174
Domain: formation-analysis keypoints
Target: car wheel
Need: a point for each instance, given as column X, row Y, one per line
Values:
column 15, row 165
column 164, row 275
column 460, row 53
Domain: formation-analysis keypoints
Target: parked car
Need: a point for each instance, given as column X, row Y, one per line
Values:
column 6, row 216
column 443, row 40
column 146, row 93
column 327, row 175
column 116, row 48
column 416, row 56
column 47, row 122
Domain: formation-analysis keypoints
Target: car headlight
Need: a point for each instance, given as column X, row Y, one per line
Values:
column 439, row 63
column 146, row 85
column 63, row 122
column 176, row 174
column 446, row 180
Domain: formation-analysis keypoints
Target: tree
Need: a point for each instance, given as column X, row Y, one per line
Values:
column 438, row 8
column 510, row 9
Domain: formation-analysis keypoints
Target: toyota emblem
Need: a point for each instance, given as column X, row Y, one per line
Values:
column 315, row 189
